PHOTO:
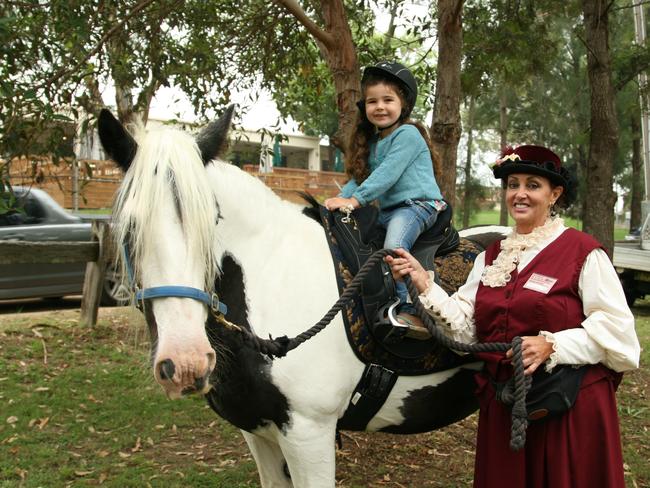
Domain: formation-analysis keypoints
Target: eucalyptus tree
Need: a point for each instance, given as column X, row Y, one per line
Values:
column 506, row 46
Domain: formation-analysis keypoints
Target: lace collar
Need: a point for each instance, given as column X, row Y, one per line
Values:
column 499, row 272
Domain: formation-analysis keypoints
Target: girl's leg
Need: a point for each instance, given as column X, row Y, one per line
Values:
column 403, row 226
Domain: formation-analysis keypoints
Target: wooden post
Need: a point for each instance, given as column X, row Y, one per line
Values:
column 94, row 279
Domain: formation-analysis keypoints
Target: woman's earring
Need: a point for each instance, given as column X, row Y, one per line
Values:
column 553, row 210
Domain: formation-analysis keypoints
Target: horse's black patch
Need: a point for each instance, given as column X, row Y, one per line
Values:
column 484, row 240
column 243, row 393
column 433, row 407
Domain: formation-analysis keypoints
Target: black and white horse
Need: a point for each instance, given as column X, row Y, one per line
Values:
column 186, row 217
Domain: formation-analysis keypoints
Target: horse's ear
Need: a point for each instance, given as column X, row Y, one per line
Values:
column 116, row 141
column 213, row 140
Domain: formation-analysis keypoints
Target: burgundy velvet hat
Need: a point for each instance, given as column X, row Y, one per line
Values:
column 529, row 159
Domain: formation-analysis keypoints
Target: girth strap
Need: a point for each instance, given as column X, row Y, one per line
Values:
column 369, row 396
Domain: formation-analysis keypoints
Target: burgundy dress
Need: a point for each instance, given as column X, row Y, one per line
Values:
column 580, row 449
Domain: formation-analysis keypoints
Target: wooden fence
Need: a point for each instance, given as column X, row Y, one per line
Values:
column 94, row 253
column 98, row 180
column 97, row 190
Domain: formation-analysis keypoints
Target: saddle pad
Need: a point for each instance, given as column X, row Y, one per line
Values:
column 363, row 343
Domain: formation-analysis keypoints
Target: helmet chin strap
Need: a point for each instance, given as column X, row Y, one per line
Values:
column 380, row 130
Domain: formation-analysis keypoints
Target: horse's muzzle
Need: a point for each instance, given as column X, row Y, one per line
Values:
column 189, row 378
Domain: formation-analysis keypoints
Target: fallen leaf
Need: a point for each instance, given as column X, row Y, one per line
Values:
column 82, row 473
column 12, row 420
column 138, row 446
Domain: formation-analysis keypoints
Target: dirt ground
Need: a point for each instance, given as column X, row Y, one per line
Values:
column 442, row 459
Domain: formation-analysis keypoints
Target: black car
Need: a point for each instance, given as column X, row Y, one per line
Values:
column 35, row 216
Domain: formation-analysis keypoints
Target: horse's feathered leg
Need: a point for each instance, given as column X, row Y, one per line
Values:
column 271, row 464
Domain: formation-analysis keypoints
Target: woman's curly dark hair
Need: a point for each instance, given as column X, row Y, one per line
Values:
column 570, row 192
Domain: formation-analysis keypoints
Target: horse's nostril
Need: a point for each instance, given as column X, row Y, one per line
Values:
column 199, row 383
column 167, row 369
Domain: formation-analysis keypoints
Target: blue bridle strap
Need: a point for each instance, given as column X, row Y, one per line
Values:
column 175, row 291
column 211, row 300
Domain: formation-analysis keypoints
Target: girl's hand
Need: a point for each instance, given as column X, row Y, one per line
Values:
column 535, row 350
column 405, row 264
column 335, row 203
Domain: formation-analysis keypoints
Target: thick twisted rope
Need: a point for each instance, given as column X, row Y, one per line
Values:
column 519, row 422
column 280, row 346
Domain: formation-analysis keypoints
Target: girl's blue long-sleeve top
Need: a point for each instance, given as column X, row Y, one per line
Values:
column 400, row 169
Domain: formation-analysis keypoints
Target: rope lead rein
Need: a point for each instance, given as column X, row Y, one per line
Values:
column 519, row 422
column 280, row 346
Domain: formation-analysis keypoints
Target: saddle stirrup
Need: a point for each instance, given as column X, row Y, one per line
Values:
column 392, row 315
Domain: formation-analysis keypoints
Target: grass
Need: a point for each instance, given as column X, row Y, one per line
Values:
column 491, row 217
column 78, row 407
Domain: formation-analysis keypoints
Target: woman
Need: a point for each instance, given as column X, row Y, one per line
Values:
column 556, row 288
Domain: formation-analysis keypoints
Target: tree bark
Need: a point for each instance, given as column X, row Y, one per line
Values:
column 467, row 194
column 446, row 126
column 339, row 52
column 503, row 133
column 603, row 137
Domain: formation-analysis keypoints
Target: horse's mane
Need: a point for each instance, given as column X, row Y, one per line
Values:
column 167, row 161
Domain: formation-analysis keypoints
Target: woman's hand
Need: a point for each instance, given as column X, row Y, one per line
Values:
column 335, row 203
column 535, row 350
column 405, row 264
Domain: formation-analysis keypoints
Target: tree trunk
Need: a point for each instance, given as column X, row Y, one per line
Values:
column 637, row 173
column 503, row 133
column 603, row 138
column 340, row 53
column 390, row 33
column 446, row 126
column 467, row 194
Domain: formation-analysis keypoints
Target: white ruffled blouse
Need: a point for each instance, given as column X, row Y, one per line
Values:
column 607, row 335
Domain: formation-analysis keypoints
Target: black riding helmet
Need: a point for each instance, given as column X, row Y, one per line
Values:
column 398, row 73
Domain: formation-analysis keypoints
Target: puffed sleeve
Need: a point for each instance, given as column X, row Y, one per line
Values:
column 455, row 313
column 607, row 335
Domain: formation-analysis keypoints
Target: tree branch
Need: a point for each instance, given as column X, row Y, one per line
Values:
column 632, row 5
column 66, row 71
column 294, row 8
column 620, row 84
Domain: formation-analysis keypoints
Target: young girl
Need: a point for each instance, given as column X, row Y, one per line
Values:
column 390, row 159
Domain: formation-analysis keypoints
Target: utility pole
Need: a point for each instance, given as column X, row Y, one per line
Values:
column 639, row 30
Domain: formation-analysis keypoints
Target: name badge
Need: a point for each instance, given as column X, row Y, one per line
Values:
column 540, row 283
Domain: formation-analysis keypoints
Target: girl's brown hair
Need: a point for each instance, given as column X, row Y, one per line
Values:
column 358, row 147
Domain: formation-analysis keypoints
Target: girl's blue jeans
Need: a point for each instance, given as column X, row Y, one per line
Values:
column 404, row 225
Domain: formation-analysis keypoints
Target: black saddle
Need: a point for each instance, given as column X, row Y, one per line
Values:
column 358, row 237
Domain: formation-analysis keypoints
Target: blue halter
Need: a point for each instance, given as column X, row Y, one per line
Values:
column 176, row 291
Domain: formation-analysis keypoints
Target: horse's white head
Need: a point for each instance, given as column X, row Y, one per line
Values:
column 165, row 216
